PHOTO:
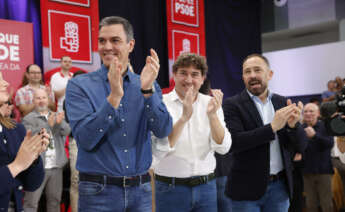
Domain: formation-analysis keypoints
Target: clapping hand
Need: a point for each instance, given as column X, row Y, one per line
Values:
column 215, row 103
column 187, row 105
column 150, row 71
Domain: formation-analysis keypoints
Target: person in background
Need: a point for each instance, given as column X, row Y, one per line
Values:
column 329, row 94
column 58, row 81
column 21, row 168
column 317, row 164
column 32, row 80
column 54, row 158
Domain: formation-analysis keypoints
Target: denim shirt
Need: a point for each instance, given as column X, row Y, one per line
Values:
column 114, row 142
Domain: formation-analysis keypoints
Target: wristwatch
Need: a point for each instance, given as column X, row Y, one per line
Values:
column 148, row 91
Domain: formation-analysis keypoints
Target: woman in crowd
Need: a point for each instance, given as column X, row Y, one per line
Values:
column 21, row 168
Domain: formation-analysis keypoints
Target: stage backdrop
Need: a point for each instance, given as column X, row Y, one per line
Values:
column 186, row 30
column 70, row 28
column 16, row 50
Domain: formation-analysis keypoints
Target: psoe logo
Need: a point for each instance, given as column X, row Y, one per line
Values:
column 70, row 42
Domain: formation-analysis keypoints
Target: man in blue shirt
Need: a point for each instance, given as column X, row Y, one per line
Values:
column 112, row 113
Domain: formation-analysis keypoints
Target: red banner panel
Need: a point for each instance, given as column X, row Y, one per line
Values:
column 185, row 42
column 85, row 3
column 69, row 28
column 65, row 38
column 16, row 50
column 185, row 12
column 186, row 30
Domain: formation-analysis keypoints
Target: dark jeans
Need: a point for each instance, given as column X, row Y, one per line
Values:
column 224, row 202
column 173, row 198
column 111, row 198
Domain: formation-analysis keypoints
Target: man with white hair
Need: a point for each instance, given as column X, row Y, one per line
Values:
column 54, row 158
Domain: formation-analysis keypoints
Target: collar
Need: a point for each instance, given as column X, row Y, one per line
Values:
column 175, row 97
column 253, row 97
column 104, row 74
column 70, row 75
column 28, row 87
column 37, row 114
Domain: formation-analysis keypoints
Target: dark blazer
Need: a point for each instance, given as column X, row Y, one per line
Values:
column 249, row 172
column 28, row 180
column 317, row 156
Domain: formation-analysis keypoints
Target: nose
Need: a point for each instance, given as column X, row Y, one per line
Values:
column 107, row 45
column 189, row 79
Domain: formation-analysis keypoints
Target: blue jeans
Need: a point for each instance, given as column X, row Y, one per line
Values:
column 275, row 199
column 111, row 198
column 224, row 202
column 172, row 198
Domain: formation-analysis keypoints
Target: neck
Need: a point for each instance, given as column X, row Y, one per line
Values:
column 263, row 96
column 65, row 72
column 35, row 85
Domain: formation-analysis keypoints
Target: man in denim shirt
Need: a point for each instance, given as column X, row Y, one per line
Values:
column 112, row 113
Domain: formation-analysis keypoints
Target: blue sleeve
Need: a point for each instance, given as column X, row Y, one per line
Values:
column 159, row 119
column 32, row 178
column 7, row 181
column 88, row 124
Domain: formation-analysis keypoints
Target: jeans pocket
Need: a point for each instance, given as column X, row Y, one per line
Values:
column 162, row 187
column 90, row 188
column 146, row 187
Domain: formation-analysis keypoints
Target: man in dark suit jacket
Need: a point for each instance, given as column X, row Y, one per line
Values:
column 264, row 127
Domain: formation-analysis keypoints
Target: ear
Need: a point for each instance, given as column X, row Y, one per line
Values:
column 270, row 74
column 131, row 44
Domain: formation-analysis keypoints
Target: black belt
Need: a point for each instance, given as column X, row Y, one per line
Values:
column 118, row 181
column 189, row 181
column 274, row 177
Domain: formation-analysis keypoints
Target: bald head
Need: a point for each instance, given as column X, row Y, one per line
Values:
column 311, row 113
column 41, row 100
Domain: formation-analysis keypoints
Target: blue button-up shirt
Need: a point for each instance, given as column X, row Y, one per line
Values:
column 266, row 111
column 114, row 142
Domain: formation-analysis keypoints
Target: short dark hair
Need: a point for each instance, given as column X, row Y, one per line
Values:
column 257, row 55
column 186, row 60
column 111, row 20
column 64, row 57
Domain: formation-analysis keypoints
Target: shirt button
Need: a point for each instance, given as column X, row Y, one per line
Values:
column 120, row 105
column 20, row 188
column 5, row 141
column 125, row 150
column 127, row 167
column 148, row 106
column 100, row 130
column 124, row 134
column 151, row 119
column 109, row 117
column 123, row 120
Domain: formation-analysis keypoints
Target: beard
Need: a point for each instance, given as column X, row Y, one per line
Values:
column 256, row 91
column 42, row 108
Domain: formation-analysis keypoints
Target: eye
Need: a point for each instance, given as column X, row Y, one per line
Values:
column 101, row 40
column 195, row 74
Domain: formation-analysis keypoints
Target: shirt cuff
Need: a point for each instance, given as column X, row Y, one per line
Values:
column 224, row 147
